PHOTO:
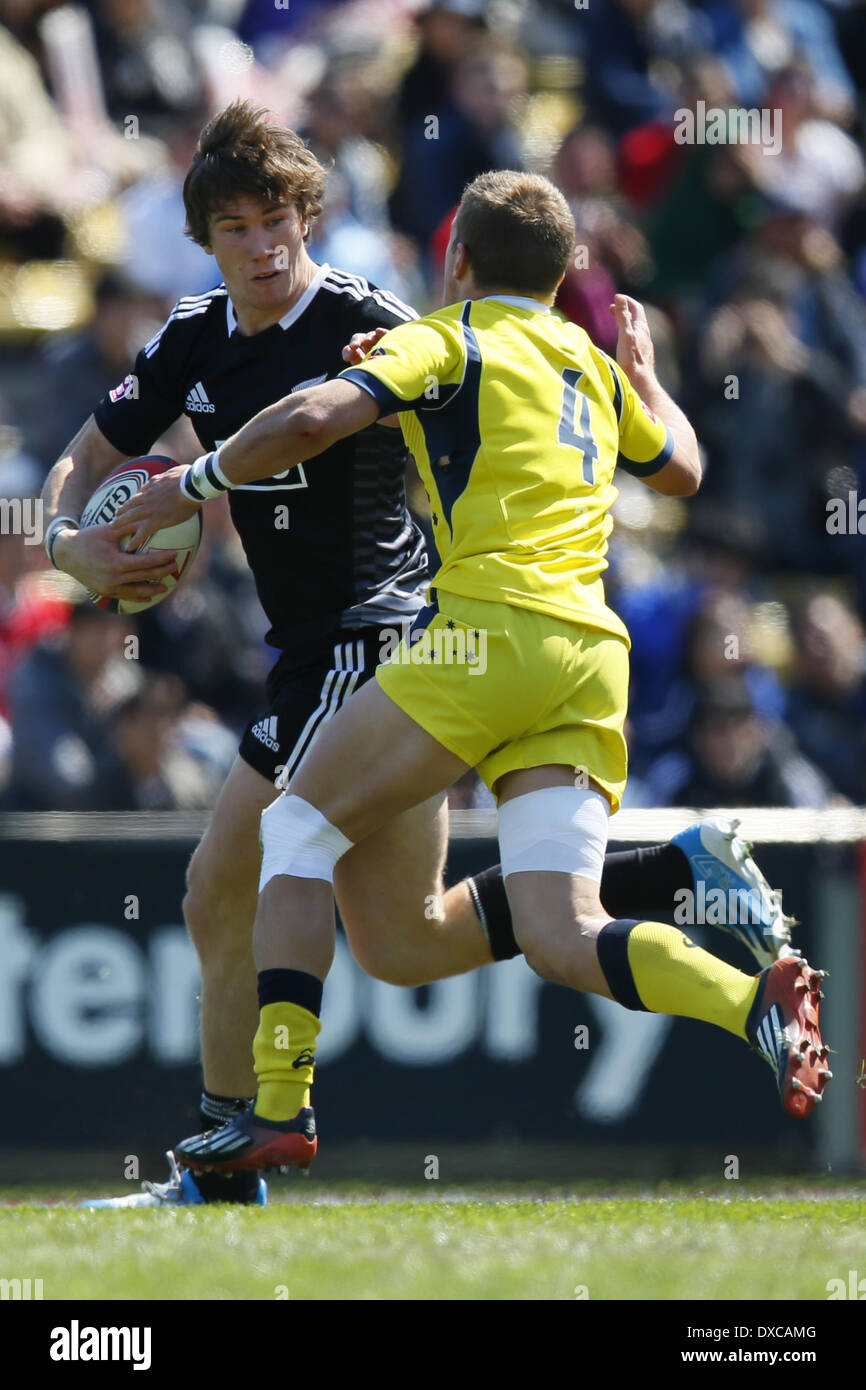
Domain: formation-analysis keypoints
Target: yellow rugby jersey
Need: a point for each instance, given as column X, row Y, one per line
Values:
column 517, row 422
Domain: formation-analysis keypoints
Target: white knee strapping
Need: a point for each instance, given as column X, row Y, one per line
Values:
column 296, row 839
column 559, row 829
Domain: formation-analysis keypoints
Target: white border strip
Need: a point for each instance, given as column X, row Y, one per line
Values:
column 762, row 825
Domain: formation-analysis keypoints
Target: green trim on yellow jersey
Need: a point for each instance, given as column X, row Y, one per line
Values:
column 517, row 422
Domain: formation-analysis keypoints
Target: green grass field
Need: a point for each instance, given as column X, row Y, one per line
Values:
column 782, row 1240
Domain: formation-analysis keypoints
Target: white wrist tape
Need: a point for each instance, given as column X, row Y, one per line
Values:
column 60, row 523
column 205, row 479
column 561, row 830
column 296, row 839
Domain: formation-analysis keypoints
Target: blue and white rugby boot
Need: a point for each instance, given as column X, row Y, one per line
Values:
column 731, row 892
column 179, row 1191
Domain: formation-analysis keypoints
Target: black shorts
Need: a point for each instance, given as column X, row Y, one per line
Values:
column 304, row 692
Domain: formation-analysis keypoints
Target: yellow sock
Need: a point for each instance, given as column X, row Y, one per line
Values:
column 286, row 1036
column 651, row 966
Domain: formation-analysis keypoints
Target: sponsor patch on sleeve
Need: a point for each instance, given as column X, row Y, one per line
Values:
column 126, row 388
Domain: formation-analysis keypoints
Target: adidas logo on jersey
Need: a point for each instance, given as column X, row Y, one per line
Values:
column 197, row 400
column 266, row 732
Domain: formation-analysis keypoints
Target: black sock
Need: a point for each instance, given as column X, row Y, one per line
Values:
column 214, row 1111
column 217, row 1110
column 644, row 881
column 612, row 947
column 290, row 987
column 494, row 914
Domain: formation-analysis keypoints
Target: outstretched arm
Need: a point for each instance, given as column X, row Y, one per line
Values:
column 295, row 429
column 681, row 475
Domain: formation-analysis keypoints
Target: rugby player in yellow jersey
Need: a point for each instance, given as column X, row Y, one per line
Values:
column 517, row 423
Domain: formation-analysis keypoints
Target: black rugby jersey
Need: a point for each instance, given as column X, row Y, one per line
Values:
column 351, row 555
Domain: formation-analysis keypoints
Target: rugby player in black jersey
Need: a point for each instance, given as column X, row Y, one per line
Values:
column 349, row 565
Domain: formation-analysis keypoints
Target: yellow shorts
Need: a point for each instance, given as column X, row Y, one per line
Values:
column 507, row 688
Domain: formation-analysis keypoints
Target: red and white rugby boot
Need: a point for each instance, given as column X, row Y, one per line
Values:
column 248, row 1141
column 783, row 1029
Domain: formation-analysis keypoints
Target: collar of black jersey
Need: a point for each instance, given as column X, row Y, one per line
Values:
column 293, row 314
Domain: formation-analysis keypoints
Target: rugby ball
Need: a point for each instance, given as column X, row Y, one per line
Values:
column 121, row 484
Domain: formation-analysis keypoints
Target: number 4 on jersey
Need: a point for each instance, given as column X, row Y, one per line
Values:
column 577, row 434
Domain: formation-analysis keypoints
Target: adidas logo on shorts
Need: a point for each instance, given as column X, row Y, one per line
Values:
column 197, row 400
column 266, row 732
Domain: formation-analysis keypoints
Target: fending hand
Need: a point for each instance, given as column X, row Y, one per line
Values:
column 634, row 345
column 360, row 344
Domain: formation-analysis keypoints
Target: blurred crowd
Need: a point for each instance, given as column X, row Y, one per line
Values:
column 746, row 605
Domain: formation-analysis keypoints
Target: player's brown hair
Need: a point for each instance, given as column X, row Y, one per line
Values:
column 241, row 151
column 517, row 230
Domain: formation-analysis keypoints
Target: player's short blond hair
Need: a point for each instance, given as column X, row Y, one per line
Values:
column 240, row 151
column 518, row 231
